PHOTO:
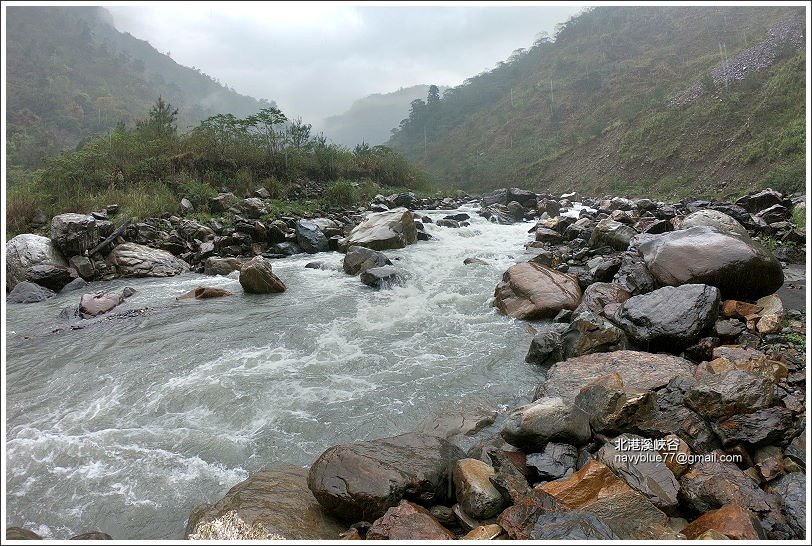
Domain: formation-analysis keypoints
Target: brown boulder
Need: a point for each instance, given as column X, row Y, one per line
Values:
column 204, row 293
column 92, row 305
column 594, row 488
column 275, row 502
column 531, row 291
column 408, row 521
column 475, row 492
column 257, row 277
column 732, row 521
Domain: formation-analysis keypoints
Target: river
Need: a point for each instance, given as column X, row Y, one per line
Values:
column 127, row 424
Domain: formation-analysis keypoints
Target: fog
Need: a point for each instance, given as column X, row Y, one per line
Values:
column 315, row 60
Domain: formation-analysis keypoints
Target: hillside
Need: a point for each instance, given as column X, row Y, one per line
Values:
column 656, row 101
column 71, row 75
column 371, row 118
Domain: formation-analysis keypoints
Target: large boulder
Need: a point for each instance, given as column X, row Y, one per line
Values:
column 670, row 318
column 760, row 200
column 28, row 250
column 310, row 237
column 791, row 490
column 50, row 276
column 732, row 521
column 719, row 396
column 594, row 488
column 359, row 259
column 532, row 291
column 715, row 219
column 277, row 500
column 359, row 482
column 608, row 232
column 28, row 292
column 385, row 230
column 222, row 266
column 74, row 234
column 475, row 493
column 588, row 333
column 740, row 268
column 257, row 277
column 545, row 420
column 638, row 370
column 572, row 525
column 134, row 260
column 92, row 305
column 600, row 295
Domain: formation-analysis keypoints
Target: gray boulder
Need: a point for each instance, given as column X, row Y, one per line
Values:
column 28, row 292
column 715, row 219
column 385, row 230
column 134, row 260
column 548, row 419
column 381, row 277
column 608, row 232
column 359, row 259
column 74, row 234
column 310, row 237
column 28, row 250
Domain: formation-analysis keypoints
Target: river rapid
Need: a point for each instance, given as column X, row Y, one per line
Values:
column 126, row 424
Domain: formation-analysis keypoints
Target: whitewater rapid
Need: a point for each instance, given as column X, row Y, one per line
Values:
column 125, row 425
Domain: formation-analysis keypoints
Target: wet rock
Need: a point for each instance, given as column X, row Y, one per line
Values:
column 796, row 450
column 74, row 234
column 600, row 294
column 634, row 460
column 359, row 259
column 556, row 461
column 484, row 532
column 733, row 522
column 381, row 277
column 589, row 333
column 611, row 233
column 28, row 292
column 361, row 481
column 739, row 309
column 51, row 277
column 222, row 266
column 385, row 230
column 92, row 305
column 286, row 248
column 532, row 291
column 549, row 419
column 739, row 267
column 76, row 284
column 408, row 521
column 519, row 520
column 791, row 491
column 611, row 405
column 257, row 277
column 702, row 350
column 310, row 238
column 134, row 260
column 633, row 276
column 444, row 515
column 28, row 250
column 719, row 396
column 83, row 266
column 603, row 269
column 638, row 370
column 314, row 265
column 715, row 219
column 670, row 318
column 445, row 222
column 773, row 214
column 474, row 261
column 669, row 415
column 18, row 533
column 572, row 525
column 545, row 235
column 204, row 293
column 676, row 454
column 594, row 488
column 278, row 501
column 475, row 493
column 728, row 330
column 545, row 349
column 760, row 427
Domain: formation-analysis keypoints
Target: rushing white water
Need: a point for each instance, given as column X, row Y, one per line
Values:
column 128, row 423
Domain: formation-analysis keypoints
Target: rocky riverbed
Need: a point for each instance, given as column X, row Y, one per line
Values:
column 516, row 365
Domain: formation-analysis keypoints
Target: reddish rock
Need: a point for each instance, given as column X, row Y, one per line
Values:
column 408, row 521
column 92, row 305
column 531, row 291
column 732, row 521
column 738, row 309
column 204, row 292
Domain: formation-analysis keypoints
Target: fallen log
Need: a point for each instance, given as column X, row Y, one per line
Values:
column 109, row 239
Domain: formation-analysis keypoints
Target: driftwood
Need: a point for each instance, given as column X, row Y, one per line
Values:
column 109, row 239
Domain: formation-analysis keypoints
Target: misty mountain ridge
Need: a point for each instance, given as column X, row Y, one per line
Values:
column 71, row 75
column 372, row 118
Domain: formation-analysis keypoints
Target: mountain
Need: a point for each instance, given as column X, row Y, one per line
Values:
column 71, row 74
column 646, row 101
column 372, row 118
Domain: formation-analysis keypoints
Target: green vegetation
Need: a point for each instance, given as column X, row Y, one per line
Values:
column 71, row 74
column 590, row 110
column 799, row 217
column 148, row 168
column 796, row 339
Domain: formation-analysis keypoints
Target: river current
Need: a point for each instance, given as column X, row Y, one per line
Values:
column 126, row 424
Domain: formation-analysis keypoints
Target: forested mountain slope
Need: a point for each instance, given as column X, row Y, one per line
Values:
column 71, row 74
column 654, row 101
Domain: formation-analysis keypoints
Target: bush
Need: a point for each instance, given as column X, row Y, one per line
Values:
column 341, row 194
column 789, row 178
column 197, row 192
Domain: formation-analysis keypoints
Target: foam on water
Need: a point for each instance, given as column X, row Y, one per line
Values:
column 127, row 424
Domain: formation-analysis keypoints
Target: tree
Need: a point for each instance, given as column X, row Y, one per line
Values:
column 434, row 96
column 161, row 121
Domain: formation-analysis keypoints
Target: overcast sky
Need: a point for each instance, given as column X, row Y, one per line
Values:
column 315, row 60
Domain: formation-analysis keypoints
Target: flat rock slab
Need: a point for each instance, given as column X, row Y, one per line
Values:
column 638, row 370
column 531, row 291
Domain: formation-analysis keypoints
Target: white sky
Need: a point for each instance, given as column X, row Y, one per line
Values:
column 314, row 60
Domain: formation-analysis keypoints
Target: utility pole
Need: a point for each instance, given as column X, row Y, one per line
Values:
column 551, row 96
column 425, row 144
